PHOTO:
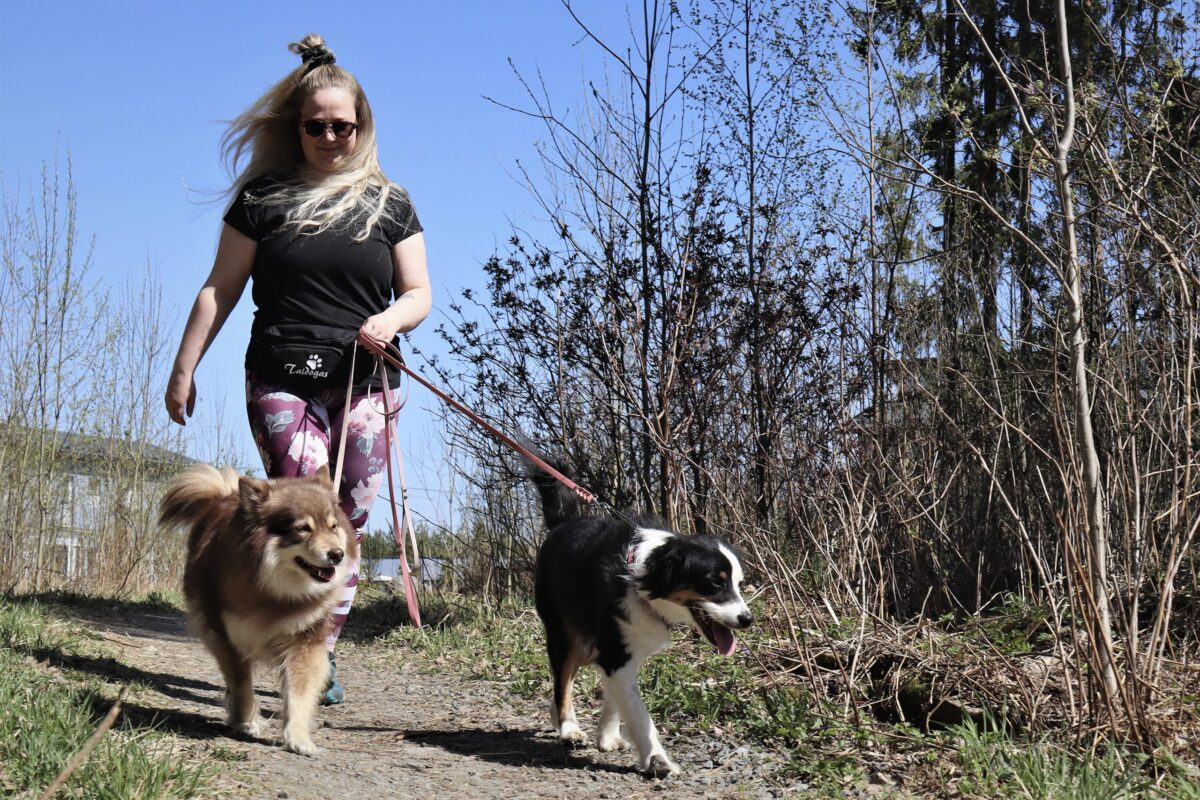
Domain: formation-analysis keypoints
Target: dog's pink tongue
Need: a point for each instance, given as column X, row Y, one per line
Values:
column 724, row 639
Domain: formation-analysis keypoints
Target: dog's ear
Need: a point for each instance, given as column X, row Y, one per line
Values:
column 253, row 492
column 322, row 475
column 663, row 568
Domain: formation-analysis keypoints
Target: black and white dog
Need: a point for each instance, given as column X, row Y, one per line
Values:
column 608, row 591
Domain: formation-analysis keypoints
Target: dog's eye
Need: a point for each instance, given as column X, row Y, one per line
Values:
column 303, row 527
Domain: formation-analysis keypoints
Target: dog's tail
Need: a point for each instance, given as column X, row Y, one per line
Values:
column 559, row 503
column 190, row 495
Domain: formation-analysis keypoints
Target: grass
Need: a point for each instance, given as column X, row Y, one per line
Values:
column 693, row 689
column 696, row 691
column 380, row 612
column 465, row 634
column 46, row 716
column 157, row 602
column 1014, row 627
column 995, row 764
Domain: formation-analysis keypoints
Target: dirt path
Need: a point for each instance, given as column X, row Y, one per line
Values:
column 408, row 730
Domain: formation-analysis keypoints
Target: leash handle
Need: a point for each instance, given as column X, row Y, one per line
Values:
column 410, row 592
column 380, row 349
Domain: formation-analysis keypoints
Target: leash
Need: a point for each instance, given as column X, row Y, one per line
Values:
column 391, row 442
column 389, row 433
column 383, row 353
column 381, row 350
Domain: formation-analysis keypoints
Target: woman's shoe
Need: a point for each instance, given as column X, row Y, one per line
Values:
column 334, row 694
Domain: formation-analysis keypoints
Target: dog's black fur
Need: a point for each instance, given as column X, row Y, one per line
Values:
column 608, row 589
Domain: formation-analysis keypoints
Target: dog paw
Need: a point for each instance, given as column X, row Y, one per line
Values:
column 303, row 747
column 574, row 738
column 607, row 744
column 250, row 730
column 659, row 766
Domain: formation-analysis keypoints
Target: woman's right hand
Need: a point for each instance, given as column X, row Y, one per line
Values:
column 181, row 397
column 218, row 296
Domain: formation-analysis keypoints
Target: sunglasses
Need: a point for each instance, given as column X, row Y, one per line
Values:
column 316, row 128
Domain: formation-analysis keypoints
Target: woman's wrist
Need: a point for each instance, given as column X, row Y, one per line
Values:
column 181, row 371
column 399, row 314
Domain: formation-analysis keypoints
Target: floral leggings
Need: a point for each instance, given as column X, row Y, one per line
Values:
column 295, row 435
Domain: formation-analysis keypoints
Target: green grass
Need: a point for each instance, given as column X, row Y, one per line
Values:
column 509, row 648
column 157, row 602
column 46, row 717
column 698, row 690
column 506, row 648
column 689, row 688
column 995, row 764
column 1015, row 627
column 380, row 612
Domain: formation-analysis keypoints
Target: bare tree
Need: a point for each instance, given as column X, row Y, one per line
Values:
column 84, row 450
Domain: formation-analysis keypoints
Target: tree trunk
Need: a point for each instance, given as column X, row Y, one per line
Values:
column 1094, row 511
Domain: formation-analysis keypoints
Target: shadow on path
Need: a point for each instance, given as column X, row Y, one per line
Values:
column 511, row 748
column 166, row 720
column 174, row 686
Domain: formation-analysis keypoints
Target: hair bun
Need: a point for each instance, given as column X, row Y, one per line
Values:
column 318, row 56
column 312, row 51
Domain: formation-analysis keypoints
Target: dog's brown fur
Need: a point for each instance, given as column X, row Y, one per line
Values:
column 249, row 597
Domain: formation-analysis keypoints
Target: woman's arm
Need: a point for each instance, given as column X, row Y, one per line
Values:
column 218, row 296
column 410, row 282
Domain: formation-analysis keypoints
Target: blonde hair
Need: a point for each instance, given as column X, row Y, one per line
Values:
column 268, row 133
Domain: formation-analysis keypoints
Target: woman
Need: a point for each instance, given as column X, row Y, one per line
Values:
column 334, row 248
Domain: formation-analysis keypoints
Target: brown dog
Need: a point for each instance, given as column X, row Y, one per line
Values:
column 265, row 565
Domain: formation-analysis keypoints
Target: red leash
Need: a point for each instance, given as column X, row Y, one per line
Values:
column 389, row 432
column 380, row 349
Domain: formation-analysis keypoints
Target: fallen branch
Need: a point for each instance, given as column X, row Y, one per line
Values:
column 82, row 756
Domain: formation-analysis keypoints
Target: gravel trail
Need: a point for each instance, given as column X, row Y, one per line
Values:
column 410, row 729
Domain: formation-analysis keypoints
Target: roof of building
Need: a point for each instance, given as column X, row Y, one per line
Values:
column 96, row 454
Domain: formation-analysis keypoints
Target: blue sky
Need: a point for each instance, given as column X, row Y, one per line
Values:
column 135, row 92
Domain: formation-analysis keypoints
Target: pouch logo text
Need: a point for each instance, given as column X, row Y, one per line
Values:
column 311, row 368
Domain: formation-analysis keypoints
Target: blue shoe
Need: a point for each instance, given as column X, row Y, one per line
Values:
column 334, row 694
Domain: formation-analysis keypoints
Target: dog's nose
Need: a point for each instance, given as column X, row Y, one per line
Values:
column 745, row 619
column 335, row 556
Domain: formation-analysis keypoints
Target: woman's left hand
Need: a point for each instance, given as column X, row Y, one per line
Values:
column 381, row 326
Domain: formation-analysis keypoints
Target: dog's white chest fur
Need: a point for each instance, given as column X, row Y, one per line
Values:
column 644, row 634
column 257, row 640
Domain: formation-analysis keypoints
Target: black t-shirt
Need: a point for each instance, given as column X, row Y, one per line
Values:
column 325, row 278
